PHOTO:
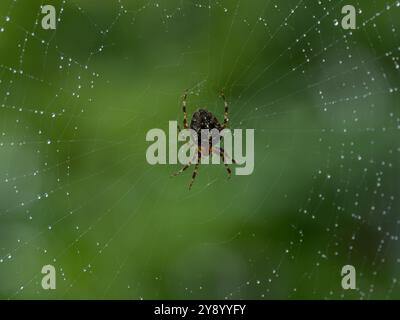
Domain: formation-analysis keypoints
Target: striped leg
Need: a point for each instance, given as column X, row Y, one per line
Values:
column 185, row 166
column 195, row 169
column 221, row 150
column 184, row 100
column 182, row 170
column 225, row 124
column 222, row 154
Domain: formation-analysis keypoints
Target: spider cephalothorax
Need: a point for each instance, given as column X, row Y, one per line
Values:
column 204, row 119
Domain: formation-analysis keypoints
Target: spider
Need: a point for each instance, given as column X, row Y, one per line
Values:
column 204, row 119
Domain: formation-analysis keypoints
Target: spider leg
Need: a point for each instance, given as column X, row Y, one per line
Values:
column 226, row 166
column 225, row 124
column 184, row 101
column 194, row 175
column 222, row 154
column 182, row 170
column 195, row 169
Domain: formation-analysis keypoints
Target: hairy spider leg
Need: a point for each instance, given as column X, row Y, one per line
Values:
column 222, row 154
column 195, row 169
column 225, row 124
column 184, row 102
column 183, row 168
column 221, row 150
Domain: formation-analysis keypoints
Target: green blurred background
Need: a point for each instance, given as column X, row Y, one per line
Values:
column 76, row 190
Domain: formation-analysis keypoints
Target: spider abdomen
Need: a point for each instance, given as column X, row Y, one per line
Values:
column 204, row 119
